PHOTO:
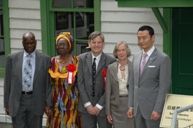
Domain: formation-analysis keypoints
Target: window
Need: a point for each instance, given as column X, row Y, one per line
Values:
column 79, row 17
column 4, row 34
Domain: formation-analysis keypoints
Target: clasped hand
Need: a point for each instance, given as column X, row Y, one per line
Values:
column 47, row 110
column 93, row 110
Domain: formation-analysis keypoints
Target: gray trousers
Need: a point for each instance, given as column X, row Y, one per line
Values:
column 141, row 122
column 90, row 121
column 25, row 117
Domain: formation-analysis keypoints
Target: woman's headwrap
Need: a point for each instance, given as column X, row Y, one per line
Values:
column 67, row 36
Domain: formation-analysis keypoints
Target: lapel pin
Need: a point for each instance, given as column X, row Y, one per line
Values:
column 151, row 58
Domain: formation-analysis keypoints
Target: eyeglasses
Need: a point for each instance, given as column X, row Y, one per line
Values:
column 62, row 44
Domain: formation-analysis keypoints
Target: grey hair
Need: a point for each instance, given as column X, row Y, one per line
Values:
column 95, row 34
column 116, row 47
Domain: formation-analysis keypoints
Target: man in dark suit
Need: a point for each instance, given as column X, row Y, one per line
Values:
column 27, row 89
column 91, row 85
column 149, row 81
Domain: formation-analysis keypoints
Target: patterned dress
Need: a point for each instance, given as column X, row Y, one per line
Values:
column 64, row 97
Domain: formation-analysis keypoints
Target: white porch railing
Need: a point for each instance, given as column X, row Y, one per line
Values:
column 174, row 123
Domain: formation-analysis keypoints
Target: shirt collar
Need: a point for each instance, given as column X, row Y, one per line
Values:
column 97, row 57
column 150, row 51
column 32, row 54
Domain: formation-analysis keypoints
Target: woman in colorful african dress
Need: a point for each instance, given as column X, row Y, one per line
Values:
column 65, row 95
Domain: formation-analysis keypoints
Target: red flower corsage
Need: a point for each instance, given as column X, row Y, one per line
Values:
column 71, row 68
column 104, row 74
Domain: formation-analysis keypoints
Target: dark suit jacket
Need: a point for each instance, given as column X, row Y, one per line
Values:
column 148, row 91
column 85, row 81
column 13, row 83
column 112, row 87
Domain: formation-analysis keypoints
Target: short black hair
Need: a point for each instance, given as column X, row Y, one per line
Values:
column 148, row 28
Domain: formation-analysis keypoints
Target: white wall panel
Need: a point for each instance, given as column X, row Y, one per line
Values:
column 17, row 44
column 24, row 17
column 24, row 13
column 135, row 17
column 127, row 27
column 25, row 24
column 122, row 23
column 18, row 33
column 25, row 4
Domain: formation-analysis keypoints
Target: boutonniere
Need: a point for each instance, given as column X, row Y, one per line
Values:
column 104, row 74
column 71, row 68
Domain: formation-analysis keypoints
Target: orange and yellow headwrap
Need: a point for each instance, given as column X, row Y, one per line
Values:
column 67, row 36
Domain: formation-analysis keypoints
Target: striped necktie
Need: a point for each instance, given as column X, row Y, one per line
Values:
column 27, row 76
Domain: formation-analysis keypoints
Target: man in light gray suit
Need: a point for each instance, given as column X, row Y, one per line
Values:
column 91, row 85
column 25, row 100
column 149, row 81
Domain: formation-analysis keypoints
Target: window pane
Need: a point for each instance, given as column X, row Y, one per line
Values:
column 82, row 47
column 84, row 23
column 73, row 4
column 61, row 20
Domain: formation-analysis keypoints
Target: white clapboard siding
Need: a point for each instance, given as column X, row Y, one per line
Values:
column 24, row 16
column 121, row 24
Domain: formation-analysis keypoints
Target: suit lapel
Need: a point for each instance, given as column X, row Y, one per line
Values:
column 138, row 62
column 19, row 64
column 101, row 62
column 115, row 71
column 37, row 67
column 150, row 60
column 89, row 61
column 129, row 69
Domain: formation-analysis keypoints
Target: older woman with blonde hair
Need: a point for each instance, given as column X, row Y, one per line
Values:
column 117, row 83
column 65, row 94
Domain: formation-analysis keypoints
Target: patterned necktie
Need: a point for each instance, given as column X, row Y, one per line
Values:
column 93, row 76
column 27, row 76
column 143, row 62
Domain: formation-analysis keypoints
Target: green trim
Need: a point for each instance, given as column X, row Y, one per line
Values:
column 6, row 33
column 52, row 38
column 44, row 26
column 2, row 71
column 48, row 23
column 167, row 37
column 72, row 9
column 155, row 3
column 160, row 19
column 97, row 15
column 6, row 27
column 81, row 40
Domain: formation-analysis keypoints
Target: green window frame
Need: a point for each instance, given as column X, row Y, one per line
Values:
column 155, row 3
column 48, row 23
column 6, row 35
